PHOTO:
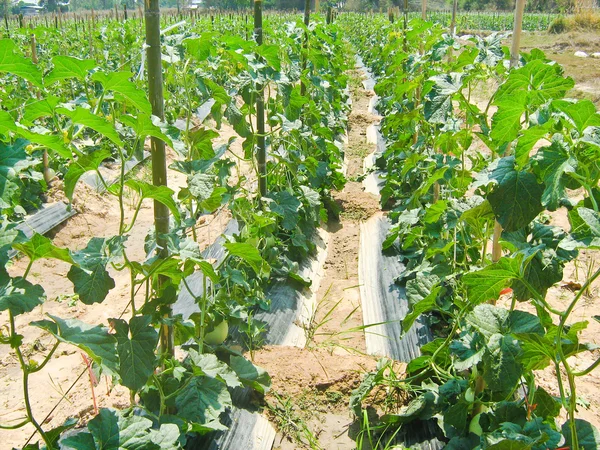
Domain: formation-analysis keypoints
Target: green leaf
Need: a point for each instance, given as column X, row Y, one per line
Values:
column 248, row 253
column 502, row 368
column 271, row 55
column 489, row 320
column 438, row 103
column 524, row 322
column 203, row 400
column 552, row 164
column 581, row 113
column 209, row 365
column 506, row 122
column 142, row 126
column 69, row 67
column 7, row 122
column 251, row 375
column 39, row 247
column 53, row 142
column 92, row 286
column 136, row 343
column 508, row 444
column 83, row 164
column 485, row 284
column 547, row 406
column 427, row 304
column 17, row 64
column 13, row 161
column 18, row 295
column 527, row 141
column 587, row 435
column 538, row 351
column 161, row 194
column 119, row 83
column 95, row 340
column 517, row 199
column 40, row 108
column 99, row 252
column 84, row 117
column 286, row 205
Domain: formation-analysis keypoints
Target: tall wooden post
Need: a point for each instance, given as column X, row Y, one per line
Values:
column 261, row 149
column 159, row 163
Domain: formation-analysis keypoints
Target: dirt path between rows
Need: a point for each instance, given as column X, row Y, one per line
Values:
column 312, row 386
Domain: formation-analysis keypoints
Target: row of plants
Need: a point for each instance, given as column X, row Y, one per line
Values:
column 82, row 112
column 480, row 156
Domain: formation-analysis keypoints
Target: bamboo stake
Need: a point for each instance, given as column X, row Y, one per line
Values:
column 159, row 163
column 261, row 152
column 305, row 45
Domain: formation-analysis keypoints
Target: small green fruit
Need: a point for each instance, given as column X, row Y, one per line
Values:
column 474, row 426
column 218, row 334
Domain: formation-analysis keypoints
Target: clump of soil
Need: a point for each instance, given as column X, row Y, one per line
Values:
column 356, row 205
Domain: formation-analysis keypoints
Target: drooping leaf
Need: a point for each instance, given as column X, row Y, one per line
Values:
column 83, row 164
column 39, row 247
column 92, row 286
column 285, row 205
column 247, row 253
column 18, row 295
column 84, row 117
column 119, row 82
column 581, row 113
column 552, row 164
column 136, row 343
column 203, row 400
column 485, row 284
column 250, row 374
column 438, row 104
column 587, row 435
column 517, row 198
column 143, row 126
column 161, row 194
column 502, row 367
column 18, row 65
column 69, row 67
column 209, row 365
column 95, row 340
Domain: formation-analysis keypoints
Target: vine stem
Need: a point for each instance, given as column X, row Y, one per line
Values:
column 565, row 363
column 26, row 372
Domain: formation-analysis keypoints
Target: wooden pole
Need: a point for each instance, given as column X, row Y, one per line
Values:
column 305, row 45
column 424, row 9
column 158, row 154
column 261, row 149
column 453, row 21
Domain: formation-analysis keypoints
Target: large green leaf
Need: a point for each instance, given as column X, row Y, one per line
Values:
column 485, row 284
column 517, row 198
column 250, row 374
column 209, row 365
column 143, row 126
column 506, row 122
column 136, row 343
column 18, row 295
column 114, row 430
column 552, row 164
column 247, row 253
column 286, row 205
column 92, row 286
column 69, row 67
column 13, row 161
column 53, row 142
column 581, row 113
column 427, row 304
column 40, row 108
column 502, row 367
column 95, row 340
column 39, row 247
column 587, row 435
column 119, row 82
column 17, row 64
column 86, row 163
column 438, row 103
column 203, row 400
column 161, row 194
column 84, row 117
